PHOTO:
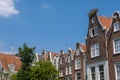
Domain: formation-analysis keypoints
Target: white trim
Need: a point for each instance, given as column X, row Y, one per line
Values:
column 76, row 75
column 104, row 63
column 91, row 33
column 116, row 70
column 96, row 54
column 116, row 23
column 76, row 63
column 114, row 45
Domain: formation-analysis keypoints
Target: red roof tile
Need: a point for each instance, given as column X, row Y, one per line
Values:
column 105, row 21
column 10, row 59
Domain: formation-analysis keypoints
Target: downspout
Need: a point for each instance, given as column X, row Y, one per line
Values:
column 107, row 53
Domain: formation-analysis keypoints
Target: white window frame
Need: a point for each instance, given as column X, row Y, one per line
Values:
column 91, row 31
column 70, row 69
column 94, row 72
column 61, row 73
column 116, row 69
column 103, row 71
column 77, row 52
column 114, row 46
column 76, row 63
column 69, row 58
column 95, row 53
column 67, row 70
column 93, row 20
column 76, row 75
column 116, row 26
column 11, row 67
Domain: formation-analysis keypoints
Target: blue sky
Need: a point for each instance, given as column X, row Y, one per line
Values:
column 48, row 24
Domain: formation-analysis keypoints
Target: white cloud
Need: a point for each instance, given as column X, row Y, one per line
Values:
column 7, row 8
column 45, row 5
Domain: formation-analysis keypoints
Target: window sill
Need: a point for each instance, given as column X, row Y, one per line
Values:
column 94, row 36
column 116, row 31
column 116, row 53
column 94, row 57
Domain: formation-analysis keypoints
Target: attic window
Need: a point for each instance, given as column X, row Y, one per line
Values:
column 94, row 32
column 116, row 26
column 11, row 67
column 93, row 20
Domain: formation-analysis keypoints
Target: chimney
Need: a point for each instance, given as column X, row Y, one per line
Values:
column 50, row 56
column 77, row 45
column 62, row 51
column 44, row 54
column 37, row 59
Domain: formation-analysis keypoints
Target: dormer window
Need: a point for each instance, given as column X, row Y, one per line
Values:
column 93, row 20
column 94, row 32
column 116, row 26
column 11, row 67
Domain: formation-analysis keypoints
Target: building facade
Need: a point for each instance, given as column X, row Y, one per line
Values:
column 99, row 58
column 114, row 47
column 97, row 54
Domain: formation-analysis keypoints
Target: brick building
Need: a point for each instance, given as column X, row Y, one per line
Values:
column 99, row 59
column 114, row 47
column 97, row 54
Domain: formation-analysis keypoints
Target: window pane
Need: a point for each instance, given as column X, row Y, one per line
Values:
column 101, row 72
column 116, row 26
column 118, row 70
column 117, row 45
column 78, row 76
column 93, row 73
column 95, row 50
column 78, row 64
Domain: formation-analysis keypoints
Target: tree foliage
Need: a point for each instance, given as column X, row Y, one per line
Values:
column 26, row 55
column 43, row 70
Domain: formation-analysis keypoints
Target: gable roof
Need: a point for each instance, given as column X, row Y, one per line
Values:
column 7, row 59
column 105, row 21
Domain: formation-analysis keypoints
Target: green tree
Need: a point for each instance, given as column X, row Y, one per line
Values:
column 43, row 70
column 27, row 56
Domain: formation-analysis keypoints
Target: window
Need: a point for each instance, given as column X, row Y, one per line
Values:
column 11, row 67
column 70, row 69
column 69, row 58
column 67, row 70
column 101, row 72
column 93, row 73
column 95, row 50
column 78, row 76
column 117, row 71
column 60, row 61
column 117, row 45
column 116, row 26
column 77, row 52
column 94, row 32
column 54, row 61
column 77, row 64
column 93, row 20
column 61, row 73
